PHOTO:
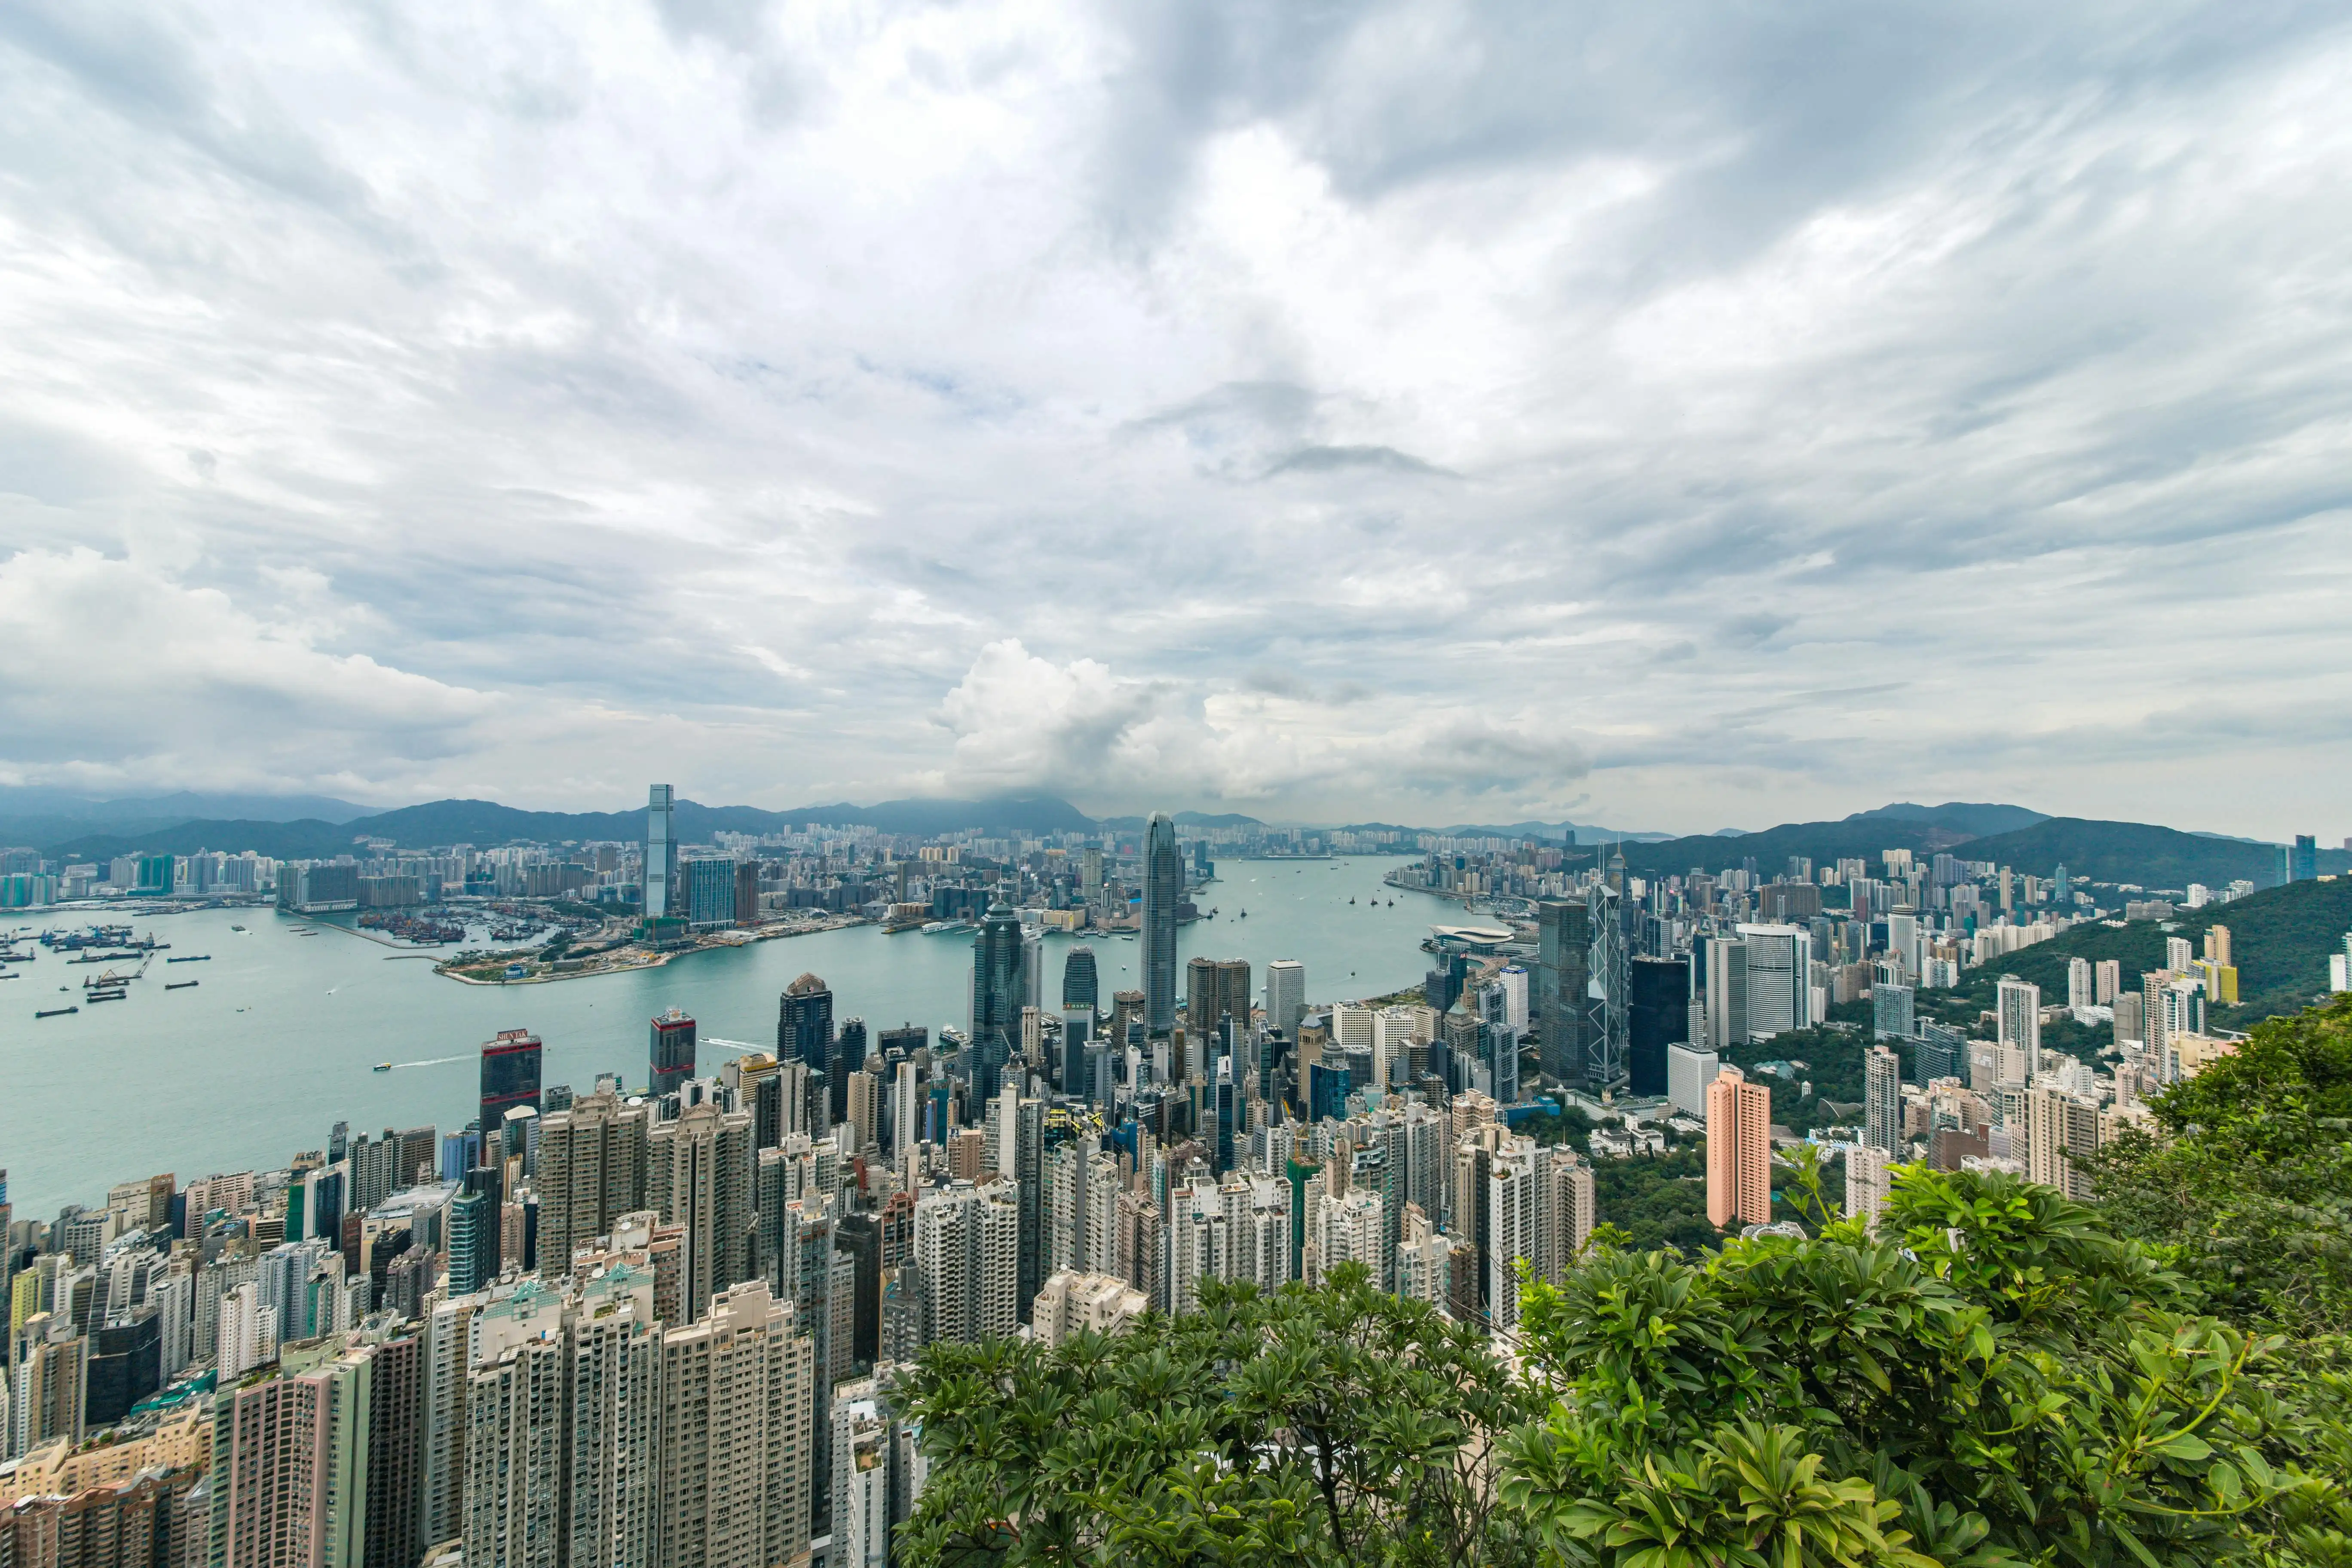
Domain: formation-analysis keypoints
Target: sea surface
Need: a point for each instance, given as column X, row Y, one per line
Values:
column 279, row 1038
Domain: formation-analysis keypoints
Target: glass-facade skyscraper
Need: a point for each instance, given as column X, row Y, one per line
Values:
column 1163, row 889
column 661, row 851
column 996, row 999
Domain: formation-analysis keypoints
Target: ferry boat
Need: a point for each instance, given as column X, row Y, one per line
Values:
column 179, row 985
column 56, row 1012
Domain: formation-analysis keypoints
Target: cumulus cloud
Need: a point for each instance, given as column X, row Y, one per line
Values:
column 1367, row 410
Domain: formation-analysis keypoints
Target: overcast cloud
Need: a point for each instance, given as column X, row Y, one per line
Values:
column 1687, row 415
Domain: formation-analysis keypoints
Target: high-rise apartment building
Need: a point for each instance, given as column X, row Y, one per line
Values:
column 661, row 852
column 734, row 1461
column 1738, row 1150
column 1164, row 889
column 698, row 1176
column 2059, row 1128
column 591, row 1171
column 1891, row 1016
column 1511, row 1204
column 288, row 1476
column 1882, row 1099
column 967, row 1258
column 1867, row 1183
column 2019, row 1015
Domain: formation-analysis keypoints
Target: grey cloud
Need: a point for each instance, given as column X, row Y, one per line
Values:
column 1330, row 459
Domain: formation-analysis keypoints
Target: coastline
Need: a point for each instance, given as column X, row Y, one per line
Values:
column 643, row 961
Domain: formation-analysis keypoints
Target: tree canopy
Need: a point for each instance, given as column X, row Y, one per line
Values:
column 1994, row 1375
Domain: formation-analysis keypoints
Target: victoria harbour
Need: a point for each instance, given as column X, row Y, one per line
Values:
column 281, row 1037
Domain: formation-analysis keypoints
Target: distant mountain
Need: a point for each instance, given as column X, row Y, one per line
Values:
column 1566, row 832
column 484, row 823
column 39, row 800
column 1958, row 817
column 1184, row 819
column 2280, row 938
column 2134, row 852
column 1820, row 842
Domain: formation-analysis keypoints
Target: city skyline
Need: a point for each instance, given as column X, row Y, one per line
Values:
column 1390, row 414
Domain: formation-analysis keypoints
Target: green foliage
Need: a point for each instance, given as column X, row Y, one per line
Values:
column 1331, row 1426
column 1993, row 1377
column 2004, row 1383
column 2250, row 1189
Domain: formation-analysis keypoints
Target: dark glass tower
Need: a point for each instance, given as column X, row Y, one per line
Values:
column 1659, row 1016
column 510, row 1076
column 804, row 1023
column 1163, row 889
column 996, row 999
column 1078, row 982
column 672, row 1057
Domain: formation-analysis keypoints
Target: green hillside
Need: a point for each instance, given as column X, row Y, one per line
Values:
column 2281, row 939
column 2128, row 852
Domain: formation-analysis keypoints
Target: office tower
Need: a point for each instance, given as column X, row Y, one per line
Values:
column 804, row 1023
column 1891, row 1017
column 1657, row 1016
column 1726, row 993
column 1867, row 1183
column 1607, row 1025
column 1563, row 967
column 591, row 1171
column 1127, row 1017
column 671, row 1059
column 290, row 1469
column 698, row 1176
column 1778, row 975
column 661, row 854
column 736, row 1450
column 2020, row 1016
column 966, row 1261
column 1079, row 980
column 124, row 1364
column 846, row 1055
column 1215, row 989
column 2059, row 1127
column 996, row 999
column 1026, row 1166
column 2303, row 858
column 1942, row 1052
column 1738, row 1150
column 1689, row 1070
column 1882, row 1098
column 1510, row 1223
column 510, row 1075
column 1163, row 889
column 1285, row 996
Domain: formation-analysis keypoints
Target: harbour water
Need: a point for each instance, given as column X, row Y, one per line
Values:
column 280, row 1039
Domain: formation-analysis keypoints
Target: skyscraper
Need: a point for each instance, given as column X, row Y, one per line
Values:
column 699, row 1175
column 1215, row 989
column 671, row 1057
column 967, row 1258
column 1163, row 889
column 996, row 999
column 1738, row 1150
column 1563, row 969
column 1285, row 996
column 2019, row 1018
column 661, row 852
column 1078, row 982
column 289, row 1476
column 1780, row 983
column 804, row 1023
column 510, row 1076
column 1608, row 1022
column 736, row 1452
column 1658, row 1017
column 591, row 1171
column 1882, row 1099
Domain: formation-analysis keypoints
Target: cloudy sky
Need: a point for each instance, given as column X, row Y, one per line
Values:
column 1676, row 416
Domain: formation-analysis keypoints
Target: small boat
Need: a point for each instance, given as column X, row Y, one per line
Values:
column 56, row 1012
column 383, row 1066
column 179, row 985
column 1245, row 914
column 192, row 958
column 236, row 928
column 106, row 996
column 1352, row 900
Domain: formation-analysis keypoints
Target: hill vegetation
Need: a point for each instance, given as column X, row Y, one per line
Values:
column 1995, row 1377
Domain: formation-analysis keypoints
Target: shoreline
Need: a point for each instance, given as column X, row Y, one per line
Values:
column 653, row 960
